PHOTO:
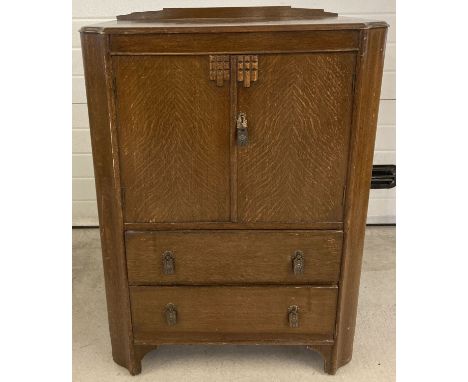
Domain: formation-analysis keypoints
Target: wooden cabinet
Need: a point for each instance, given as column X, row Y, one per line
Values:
column 232, row 152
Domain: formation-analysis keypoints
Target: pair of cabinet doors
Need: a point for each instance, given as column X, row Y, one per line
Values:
column 179, row 157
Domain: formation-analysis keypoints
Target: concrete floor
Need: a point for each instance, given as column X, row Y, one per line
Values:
column 374, row 346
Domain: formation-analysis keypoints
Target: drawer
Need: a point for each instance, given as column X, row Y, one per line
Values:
column 172, row 314
column 231, row 257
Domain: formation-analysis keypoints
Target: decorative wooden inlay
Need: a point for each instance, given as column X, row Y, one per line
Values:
column 219, row 69
column 247, row 69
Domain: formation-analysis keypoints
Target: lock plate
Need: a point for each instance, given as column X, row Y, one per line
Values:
column 242, row 132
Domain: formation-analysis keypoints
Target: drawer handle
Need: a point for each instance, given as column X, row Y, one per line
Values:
column 168, row 263
column 171, row 314
column 293, row 316
column 298, row 262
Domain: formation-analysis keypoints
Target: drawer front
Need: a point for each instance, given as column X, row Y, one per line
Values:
column 230, row 257
column 165, row 313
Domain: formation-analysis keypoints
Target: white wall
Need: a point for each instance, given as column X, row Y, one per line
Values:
column 85, row 12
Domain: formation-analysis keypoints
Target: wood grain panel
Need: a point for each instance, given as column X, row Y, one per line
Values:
column 388, row 87
column 230, row 257
column 366, row 109
column 299, row 117
column 174, row 139
column 105, row 159
column 109, row 8
column 386, row 114
column 232, row 310
column 231, row 225
column 302, row 41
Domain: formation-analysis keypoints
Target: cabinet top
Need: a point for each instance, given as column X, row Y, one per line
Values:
column 230, row 19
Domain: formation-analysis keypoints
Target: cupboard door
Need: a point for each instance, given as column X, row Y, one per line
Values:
column 298, row 112
column 174, row 140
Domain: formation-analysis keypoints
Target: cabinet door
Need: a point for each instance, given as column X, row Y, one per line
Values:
column 299, row 112
column 173, row 132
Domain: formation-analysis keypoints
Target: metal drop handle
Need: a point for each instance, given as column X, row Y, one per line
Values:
column 171, row 314
column 293, row 316
column 168, row 263
column 298, row 262
column 242, row 132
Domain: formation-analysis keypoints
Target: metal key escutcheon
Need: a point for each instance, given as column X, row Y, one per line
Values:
column 293, row 316
column 242, row 132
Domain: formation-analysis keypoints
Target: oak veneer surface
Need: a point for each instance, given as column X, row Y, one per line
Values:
column 172, row 175
column 232, row 310
column 218, row 14
column 245, row 19
column 233, row 257
column 102, row 130
column 279, row 41
column 173, row 126
column 368, row 84
column 299, row 114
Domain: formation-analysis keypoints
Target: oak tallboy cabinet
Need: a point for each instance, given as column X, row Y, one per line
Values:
column 232, row 154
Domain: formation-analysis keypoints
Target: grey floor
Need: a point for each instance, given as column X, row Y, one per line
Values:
column 374, row 348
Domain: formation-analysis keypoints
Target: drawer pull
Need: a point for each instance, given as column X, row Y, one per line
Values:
column 171, row 314
column 168, row 263
column 293, row 316
column 298, row 262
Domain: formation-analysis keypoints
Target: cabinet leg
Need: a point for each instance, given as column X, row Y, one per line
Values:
column 134, row 363
column 326, row 351
column 135, row 367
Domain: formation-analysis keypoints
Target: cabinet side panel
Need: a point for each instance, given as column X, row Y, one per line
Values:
column 366, row 107
column 98, row 92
